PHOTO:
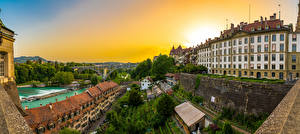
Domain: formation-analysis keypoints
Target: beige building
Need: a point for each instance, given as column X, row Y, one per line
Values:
column 6, row 54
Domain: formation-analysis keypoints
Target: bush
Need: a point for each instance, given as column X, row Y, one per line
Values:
column 165, row 106
column 68, row 131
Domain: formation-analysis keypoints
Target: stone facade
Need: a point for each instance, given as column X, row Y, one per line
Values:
column 246, row 97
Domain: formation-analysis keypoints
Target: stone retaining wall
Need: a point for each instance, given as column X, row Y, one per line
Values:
column 246, row 97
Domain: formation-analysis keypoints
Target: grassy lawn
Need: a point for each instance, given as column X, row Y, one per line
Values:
column 243, row 79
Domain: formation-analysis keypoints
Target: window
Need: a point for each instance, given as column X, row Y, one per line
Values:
column 245, row 58
column 240, row 66
column 245, row 73
column 252, row 39
column 294, row 37
column 225, row 44
column 273, row 74
column 240, row 58
column 294, row 48
column 240, row 49
column 273, row 38
column 234, row 72
column 251, row 73
column 252, row 29
column 281, row 47
column 252, row 49
column 258, row 57
column 281, row 57
column 273, row 47
column 266, row 66
column 259, row 48
column 240, row 41
column 246, row 49
column 273, row 57
column 251, row 66
column 294, row 67
column 266, row 47
column 266, row 74
column 281, row 67
column 259, row 39
column 293, row 58
column 266, row 57
column 258, row 66
column 234, row 42
column 267, row 27
column 273, row 66
column 252, row 57
column 246, row 40
column 234, row 58
column 2, row 70
column 281, row 37
column 266, row 38
column 277, row 25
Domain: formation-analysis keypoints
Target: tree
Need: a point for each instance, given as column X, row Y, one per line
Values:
column 135, row 98
column 142, row 70
column 63, row 78
column 162, row 65
column 94, row 80
column 227, row 129
column 68, row 131
column 165, row 106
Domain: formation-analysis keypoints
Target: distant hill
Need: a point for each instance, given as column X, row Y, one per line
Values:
column 23, row 59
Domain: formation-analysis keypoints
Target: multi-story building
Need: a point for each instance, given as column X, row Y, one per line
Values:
column 75, row 112
column 265, row 48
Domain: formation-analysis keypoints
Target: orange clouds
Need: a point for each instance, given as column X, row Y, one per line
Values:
column 131, row 31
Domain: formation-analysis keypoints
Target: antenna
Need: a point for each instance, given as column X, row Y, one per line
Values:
column 249, row 13
column 279, row 10
column 226, row 24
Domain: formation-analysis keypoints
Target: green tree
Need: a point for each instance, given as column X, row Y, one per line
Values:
column 142, row 70
column 165, row 106
column 135, row 98
column 95, row 80
column 68, row 131
column 63, row 78
column 227, row 129
column 162, row 65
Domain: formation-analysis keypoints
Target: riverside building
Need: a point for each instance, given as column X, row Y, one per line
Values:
column 265, row 48
column 76, row 112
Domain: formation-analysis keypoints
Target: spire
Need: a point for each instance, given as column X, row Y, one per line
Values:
column 298, row 19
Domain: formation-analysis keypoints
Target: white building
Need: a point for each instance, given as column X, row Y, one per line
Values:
column 146, row 83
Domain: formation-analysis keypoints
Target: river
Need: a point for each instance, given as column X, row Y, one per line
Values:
column 31, row 92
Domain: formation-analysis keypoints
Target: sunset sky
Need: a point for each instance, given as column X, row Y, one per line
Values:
column 125, row 30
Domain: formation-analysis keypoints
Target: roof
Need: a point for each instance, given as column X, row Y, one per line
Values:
column 286, row 116
column 188, row 113
column 44, row 115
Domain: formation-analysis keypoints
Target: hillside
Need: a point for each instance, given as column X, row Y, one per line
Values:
column 23, row 59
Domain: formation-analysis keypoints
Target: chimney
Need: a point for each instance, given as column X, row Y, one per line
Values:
column 41, row 105
column 26, row 107
column 274, row 16
column 232, row 26
column 261, row 19
column 266, row 18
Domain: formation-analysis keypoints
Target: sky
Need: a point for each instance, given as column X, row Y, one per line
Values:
column 125, row 30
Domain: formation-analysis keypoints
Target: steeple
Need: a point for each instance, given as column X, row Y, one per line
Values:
column 298, row 19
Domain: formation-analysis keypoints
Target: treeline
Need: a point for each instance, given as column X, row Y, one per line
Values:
column 61, row 73
column 162, row 65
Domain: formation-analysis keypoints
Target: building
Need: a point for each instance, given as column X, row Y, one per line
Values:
column 75, row 112
column 146, row 83
column 190, row 117
column 265, row 48
column 172, row 79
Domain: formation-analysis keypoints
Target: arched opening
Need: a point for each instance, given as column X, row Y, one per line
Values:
column 258, row 75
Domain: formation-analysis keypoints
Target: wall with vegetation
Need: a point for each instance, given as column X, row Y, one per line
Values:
column 250, row 97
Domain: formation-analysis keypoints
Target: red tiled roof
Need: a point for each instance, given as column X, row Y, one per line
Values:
column 44, row 115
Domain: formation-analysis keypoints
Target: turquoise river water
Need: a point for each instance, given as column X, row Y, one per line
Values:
column 30, row 92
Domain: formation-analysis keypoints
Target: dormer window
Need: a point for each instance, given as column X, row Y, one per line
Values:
column 267, row 27
column 252, row 29
column 277, row 25
column 259, row 28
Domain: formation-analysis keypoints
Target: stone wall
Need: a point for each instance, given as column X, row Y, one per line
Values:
column 247, row 97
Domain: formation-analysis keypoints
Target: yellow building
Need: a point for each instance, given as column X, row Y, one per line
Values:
column 6, row 54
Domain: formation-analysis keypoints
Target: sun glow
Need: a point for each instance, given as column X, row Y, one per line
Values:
column 198, row 35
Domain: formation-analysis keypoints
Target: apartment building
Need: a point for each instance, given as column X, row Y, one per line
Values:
column 76, row 112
